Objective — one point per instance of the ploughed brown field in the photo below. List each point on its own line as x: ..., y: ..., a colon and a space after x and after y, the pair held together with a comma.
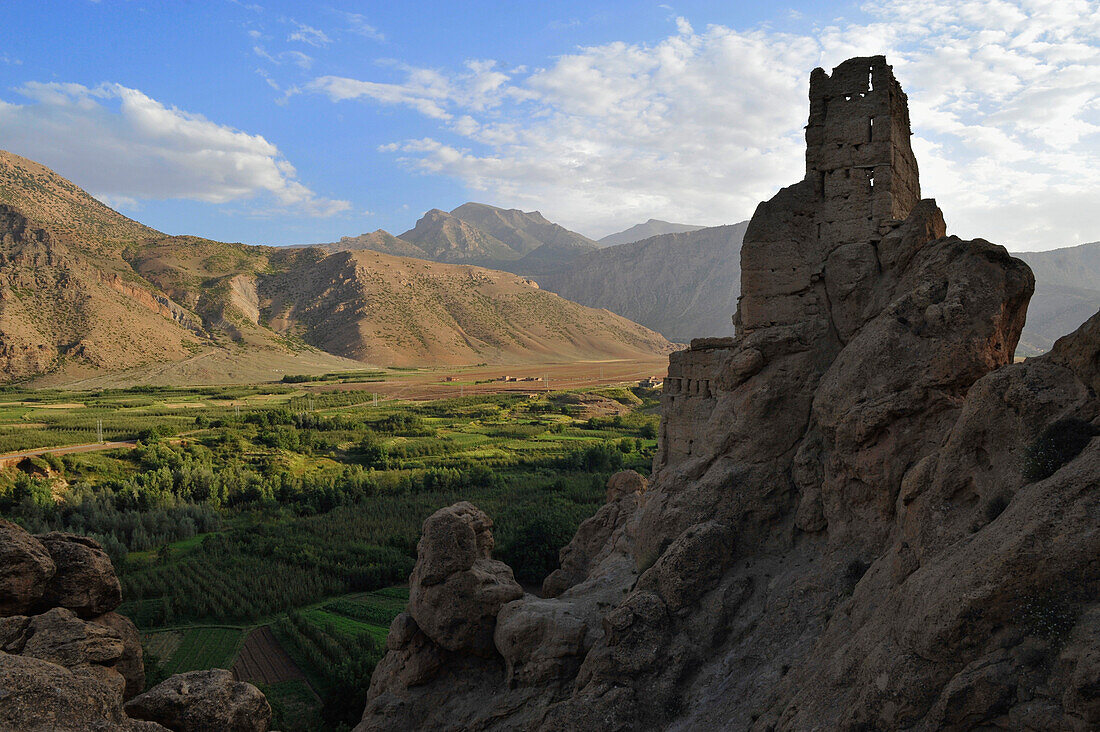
x: 263, y: 660
x: 434, y: 384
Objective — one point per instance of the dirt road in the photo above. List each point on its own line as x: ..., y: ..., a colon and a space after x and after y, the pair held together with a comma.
x: 14, y: 457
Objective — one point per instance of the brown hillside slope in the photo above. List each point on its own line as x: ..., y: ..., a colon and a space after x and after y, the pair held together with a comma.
x: 861, y: 516
x: 56, y: 307
x: 523, y: 231
x: 398, y: 311
x: 63, y: 207
x: 121, y: 303
x: 447, y: 238
x: 377, y: 241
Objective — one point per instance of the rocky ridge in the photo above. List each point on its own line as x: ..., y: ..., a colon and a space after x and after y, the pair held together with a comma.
x: 88, y: 296
x: 862, y: 515
x: 69, y: 662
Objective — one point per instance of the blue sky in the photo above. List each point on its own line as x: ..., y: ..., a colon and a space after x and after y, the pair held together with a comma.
x: 283, y: 122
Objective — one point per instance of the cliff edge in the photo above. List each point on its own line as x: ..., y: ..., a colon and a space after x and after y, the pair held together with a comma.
x: 861, y: 514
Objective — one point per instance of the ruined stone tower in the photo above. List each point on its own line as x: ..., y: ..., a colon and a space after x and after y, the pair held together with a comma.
x: 857, y: 149
x: 812, y: 550
x: 808, y: 248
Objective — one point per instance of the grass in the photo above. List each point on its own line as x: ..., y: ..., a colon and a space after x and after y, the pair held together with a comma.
x: 175, y: 549
x: 294, y: 705
x: 344, y: 625
x: 197, y: 648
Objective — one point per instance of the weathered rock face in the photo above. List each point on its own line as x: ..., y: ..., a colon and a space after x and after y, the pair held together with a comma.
x: 862, y: 515
x: 25, y: 567
x: 85, y: 581
x: 203, y: 700
x: 39, y: 696
x: 456, y: 588
x: 71, y: 666
x: 130, y: 662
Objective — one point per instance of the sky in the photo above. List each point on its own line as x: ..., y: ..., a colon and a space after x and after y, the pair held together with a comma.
x: 301, y: 122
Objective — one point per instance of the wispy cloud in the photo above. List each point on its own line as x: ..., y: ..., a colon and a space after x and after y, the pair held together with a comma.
x: 707, y: 122
x: 299, y: 59
x: 126, y: 147
x: 309, y: 35
x: 358, y: 24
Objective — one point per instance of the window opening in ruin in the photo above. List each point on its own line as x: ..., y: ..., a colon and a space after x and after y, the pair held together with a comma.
x: 870, y: 129
x: 871, y: 178
x: 870, y: 79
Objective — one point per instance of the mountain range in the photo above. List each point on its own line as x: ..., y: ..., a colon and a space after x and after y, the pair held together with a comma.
x: 86, y: 291
x: 523, y: 242
x: 677, y: 279
x: 686, y: 285
x: 1067, y: 293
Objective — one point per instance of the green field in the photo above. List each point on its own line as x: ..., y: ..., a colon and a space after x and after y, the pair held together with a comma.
x: 242, y: 507
x: 195, y: 648
x: 294, y: 705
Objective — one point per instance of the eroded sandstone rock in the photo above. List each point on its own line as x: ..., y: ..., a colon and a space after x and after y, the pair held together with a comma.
x: 199, y: 701
x: 85, y: 581
x: 25, y: 568
x: 456, y: 588
x: 39, y: 696
x: 130, y: 663
x: 591, y: 544
x: 60, y: 670
x: 840, y: 531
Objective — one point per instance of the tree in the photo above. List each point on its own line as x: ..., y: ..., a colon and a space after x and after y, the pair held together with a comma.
x: 533, y: 554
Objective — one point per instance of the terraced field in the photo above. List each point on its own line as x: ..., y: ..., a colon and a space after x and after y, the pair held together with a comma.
x: 263, y: 660
x: 191, y: 649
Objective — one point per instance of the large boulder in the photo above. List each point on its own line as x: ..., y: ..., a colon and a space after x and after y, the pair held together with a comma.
x: 25, y: 568
x: 84, y: 648
x: 85, y: 581
x: 203, y: 701
x: 456, y: 588
x: 40, y: 696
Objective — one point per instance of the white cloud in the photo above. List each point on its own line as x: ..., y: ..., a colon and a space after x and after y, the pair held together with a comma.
x: 125, y: 146
x: 482, y: 86
x: 309, y: 35
x: 358, y: 24
x: 707, y: 122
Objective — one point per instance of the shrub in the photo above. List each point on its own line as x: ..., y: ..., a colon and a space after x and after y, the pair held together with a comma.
x: 1059, y: 443
x: 533, y: 553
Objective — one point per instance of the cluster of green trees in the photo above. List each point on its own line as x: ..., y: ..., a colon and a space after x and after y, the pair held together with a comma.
x: 257, y: 571
x: 340, y: 662
x: 285, y: 507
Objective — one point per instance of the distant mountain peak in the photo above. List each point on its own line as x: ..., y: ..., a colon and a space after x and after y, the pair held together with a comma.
x: 652, y: 227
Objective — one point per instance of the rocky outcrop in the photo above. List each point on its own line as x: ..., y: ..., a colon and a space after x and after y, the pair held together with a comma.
x: 203, y: 700
x: 592, y: 543
x: 39, y: 696
x: 862, y: 515
x: 130, y: 663
x: 68, y: 661
x: 25, y: 568
x: 85, y: 581
x: 457, y: 589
